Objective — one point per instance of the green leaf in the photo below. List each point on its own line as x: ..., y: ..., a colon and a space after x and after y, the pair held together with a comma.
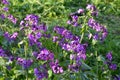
x: 94, y: 42
x: 100, y: 58
x: 85, y: 66
x: 2, y: 62
x: 50, y: 73
x: 19, y: 72
x: 90, y: 73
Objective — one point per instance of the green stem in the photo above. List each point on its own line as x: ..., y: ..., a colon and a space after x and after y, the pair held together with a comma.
x: 83, y: 29
x: 25, y: 48
x: 82, y: 37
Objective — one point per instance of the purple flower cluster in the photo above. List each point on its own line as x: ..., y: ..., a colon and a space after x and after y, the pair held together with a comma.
x: 6, y: 54
x: 65, y: 33
x: 109, y: 56
x: 109, y: 61
x: 31, y: 23
x: 73, y: 45
x: 6, y: 9
x: 80, y: 11
x: 45, y: 55
x: 70, y: 42
x: 56, y: 67
x: 41, y: 72
x: 74, y: 17
x: 42, y: 27
x: 48, y: 56
x: 2, y: 53
x: 10, y: 37
x: 30, y: 20
x: 67, y: 40
x: 99, y: 28
x: 33, y: 39
x: 5, y: 2
x: 93, y: 9
x: 73, y: 21
x: 116, y: 77
x: 12, y: 18
x: 2, y: 16
x: 25, y: 63
x: 74, y: 67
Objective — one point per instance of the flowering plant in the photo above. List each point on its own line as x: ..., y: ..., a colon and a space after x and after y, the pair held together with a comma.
x: 33, y: 52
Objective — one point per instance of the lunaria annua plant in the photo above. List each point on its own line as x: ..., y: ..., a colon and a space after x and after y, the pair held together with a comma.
x: 31, y: 56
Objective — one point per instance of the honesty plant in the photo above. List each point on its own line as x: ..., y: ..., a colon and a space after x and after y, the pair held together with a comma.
x: 31, y: 56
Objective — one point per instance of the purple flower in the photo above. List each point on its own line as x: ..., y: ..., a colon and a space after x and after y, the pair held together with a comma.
x: 72, y: 56
x: 35, y: 54
x: 38, y: 35
x: 32, y: 19
x: 7, y: 35
x: 113, y: 66
x: 77, y: 47
x: 96, y: 36
x: 8, y: 67
x: 67, y: 34
x: 73, y: 67
x: 11, y: 57
x: 81, y: 55
x: 91, y: 22
x: 95, y: 25
x: 99, y: 28
x: 55, y: 38
x: 45, y: 55
x: 33, y: 27
x: 56, y: 68
x: 75, y: 24
x: 6, y: 9
x: 109, y: 56
x: 12, y: 19
x: 2, y: 16
x: 42, y: 27
x: 32, y: 39
x: 22, y: 23
x: 41, y: 72
x: 10, y: 37
x: 58, y: 29
x: 66, y: 47
x: 14, y: 35
x: 80, y: 11
x: 39, y: 44
x: 91, y: 7
x: 116, y: 77
x: 25, y: 63
x: 46, y: 35
x: 5, y: 2
x: 69, y: 22
x: 74, y: 18
x: 94, y: 13
x: 104, y: 34
x: 2, y: 53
